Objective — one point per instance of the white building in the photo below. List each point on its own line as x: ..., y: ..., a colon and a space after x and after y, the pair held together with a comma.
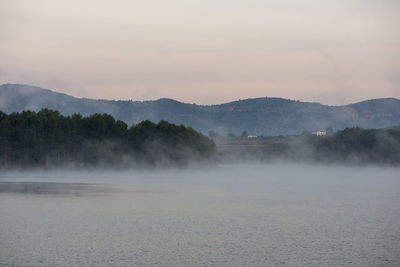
x: 319, y: 133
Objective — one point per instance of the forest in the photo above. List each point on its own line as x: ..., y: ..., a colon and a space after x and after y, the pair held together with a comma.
x: 352, y: 146
x: 49, y: 139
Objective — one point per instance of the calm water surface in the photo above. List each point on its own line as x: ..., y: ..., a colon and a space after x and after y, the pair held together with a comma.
x: 271, y: 215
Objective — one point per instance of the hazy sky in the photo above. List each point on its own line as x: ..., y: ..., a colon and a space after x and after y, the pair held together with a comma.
x: 204, y: 51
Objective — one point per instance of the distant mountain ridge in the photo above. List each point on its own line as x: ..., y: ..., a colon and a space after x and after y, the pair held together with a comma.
x: 258, y: 116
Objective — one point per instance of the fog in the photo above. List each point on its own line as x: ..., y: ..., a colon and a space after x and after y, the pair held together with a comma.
x: 226, y: 215
x: 351, y: 146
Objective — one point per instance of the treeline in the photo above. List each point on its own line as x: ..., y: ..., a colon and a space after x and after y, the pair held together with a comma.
x: 349, y: 146
x: 47, y: 139
x: 356, y: 145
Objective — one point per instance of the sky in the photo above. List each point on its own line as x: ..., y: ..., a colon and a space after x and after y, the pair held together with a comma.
x: 204, y: 51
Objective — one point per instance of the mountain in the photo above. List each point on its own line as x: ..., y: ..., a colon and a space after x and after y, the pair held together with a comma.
x: 258, y: 116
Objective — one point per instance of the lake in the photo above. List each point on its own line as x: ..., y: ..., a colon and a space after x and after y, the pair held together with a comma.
x: 230, y: 215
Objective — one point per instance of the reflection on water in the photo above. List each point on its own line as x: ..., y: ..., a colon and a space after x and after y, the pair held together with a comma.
x: 232, y: 216
x: 53, y: 188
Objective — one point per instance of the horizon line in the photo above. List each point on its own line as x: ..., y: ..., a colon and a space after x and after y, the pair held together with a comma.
x: 183, y: 102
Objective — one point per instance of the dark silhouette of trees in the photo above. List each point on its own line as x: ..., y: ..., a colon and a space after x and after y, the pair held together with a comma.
x: 349, y: 146
x: 381, y: 146
x: 47, y: 138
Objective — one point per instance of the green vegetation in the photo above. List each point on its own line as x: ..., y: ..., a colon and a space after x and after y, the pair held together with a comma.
x: 357, y: 145
x: 349, y: 146
x: 47, y: 138
x: 258, y: 116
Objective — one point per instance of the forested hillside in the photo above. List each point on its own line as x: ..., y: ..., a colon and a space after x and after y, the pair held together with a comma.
x: 259, y: 116
x: 349, y: 146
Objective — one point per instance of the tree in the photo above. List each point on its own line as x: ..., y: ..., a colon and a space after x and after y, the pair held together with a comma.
x: 329, y: 131
x: 231, y: 135
x: 47, y: 137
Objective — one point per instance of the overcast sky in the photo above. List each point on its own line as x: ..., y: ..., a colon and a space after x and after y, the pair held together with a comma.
x: 204, y: 51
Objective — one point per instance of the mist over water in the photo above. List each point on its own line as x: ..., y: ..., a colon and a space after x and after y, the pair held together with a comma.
x: 230, y: 215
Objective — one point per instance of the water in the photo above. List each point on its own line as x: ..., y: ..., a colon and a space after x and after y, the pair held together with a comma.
x: 271, y: 215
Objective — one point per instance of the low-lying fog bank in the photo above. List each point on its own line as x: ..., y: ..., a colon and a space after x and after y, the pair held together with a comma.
x: 228, y: 171
x: 351, y: 146
x: 48, y: 140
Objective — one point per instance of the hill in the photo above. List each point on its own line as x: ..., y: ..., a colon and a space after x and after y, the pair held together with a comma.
x: 258, y: 116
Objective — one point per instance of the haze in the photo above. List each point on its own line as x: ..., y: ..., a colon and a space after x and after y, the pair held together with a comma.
x: 333, y: 52
x: 247, y: 215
